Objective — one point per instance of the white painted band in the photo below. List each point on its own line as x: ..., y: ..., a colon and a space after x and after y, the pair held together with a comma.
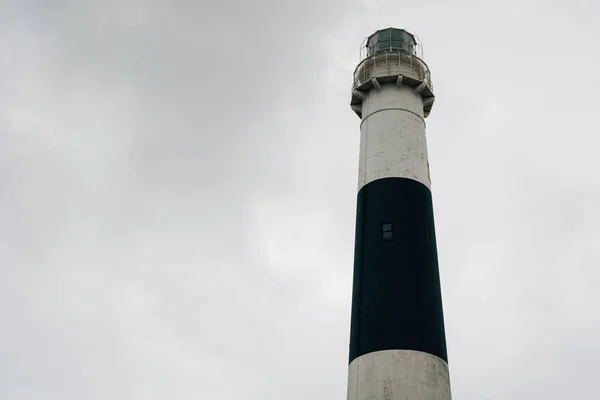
x: 398, y: 375
x: 392, y: 109
x: 393, y: 143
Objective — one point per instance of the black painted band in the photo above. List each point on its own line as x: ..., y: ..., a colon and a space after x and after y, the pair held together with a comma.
x: 396, y: 299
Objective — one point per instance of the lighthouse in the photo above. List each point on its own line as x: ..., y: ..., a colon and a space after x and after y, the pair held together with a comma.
x: 397, y: 336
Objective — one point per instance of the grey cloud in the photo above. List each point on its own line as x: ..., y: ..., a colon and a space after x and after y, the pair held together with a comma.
x: 178, y: 184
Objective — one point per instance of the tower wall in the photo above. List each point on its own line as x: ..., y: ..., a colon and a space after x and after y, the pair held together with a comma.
x: 397, y: 337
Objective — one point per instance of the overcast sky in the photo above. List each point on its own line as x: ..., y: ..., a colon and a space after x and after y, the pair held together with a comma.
x: 178, y: 189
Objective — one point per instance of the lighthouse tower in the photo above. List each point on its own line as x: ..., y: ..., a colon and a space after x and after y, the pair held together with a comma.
x: 397, y: 339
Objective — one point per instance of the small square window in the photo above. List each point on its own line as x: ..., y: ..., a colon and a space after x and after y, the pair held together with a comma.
x: 386, y: 231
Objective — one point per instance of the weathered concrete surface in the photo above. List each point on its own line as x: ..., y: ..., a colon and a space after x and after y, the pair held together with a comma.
x: 392, y: 136
x: 398, y: 375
